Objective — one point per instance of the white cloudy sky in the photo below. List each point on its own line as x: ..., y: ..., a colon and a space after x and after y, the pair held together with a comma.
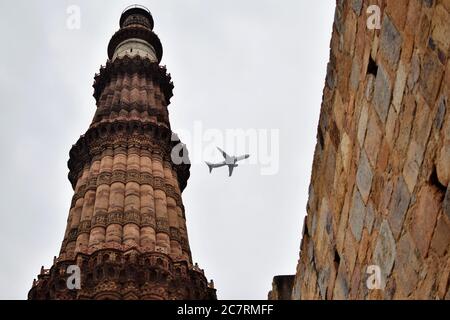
x: 236, y: 64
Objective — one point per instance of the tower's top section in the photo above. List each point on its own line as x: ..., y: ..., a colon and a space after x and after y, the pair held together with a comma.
x: 135, y: 36
x: 136, y: 14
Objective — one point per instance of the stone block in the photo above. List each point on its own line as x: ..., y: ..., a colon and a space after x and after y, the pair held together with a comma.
x: 373, y: 139
x: 350, y: 251
x: 440, y: 27
x: 443, y: 164
x: 385, y: 252
x: 390, y: 42
x: 397, y: 11
x: 384, y: 157
x: 364, y: 176
x: 440, y: 115
x: 424, y: 214
x: 370, y: 217
x: 391, y: 125
x: 357, y: 6
x: 322, y: 281
x: 339, y: 17
x: 341, y: 285
x: 399, y: 87
x: 441, y: 237
x: 382, y: 93
x: 346, y: 151
x: 339, y: 110
x: 430, y: 77
x: 413, y: 162
x: 398, y: 206
x: 355, y: 75
x: 357, y: 215
x: 362, y: 123
x: 407, y: 266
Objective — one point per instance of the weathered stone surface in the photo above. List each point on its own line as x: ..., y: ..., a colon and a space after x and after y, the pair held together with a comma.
x: 407, y: 265
x: 350, y: 251
x: 414, y: 72
x: 440, y: 115
x: 443, y: 164
x: 341, y: 286
x: 362, y: 124
x: 382, y: 93
x: 322, y: 281
x: 398, y: 206
x: 386, y: 181
x: 441, y: 237
x: 440, y: 28
x: 331, y: 76
x: 364, y: 176
x: 346, y: 151
x: 373, y: 139
x: 354, y: 75
x: 357, y: 6
x: 390, y: 41
x: 370, y: 87
x: 412, y: 165
x: 391, y: 125
x: 339, y: 111
x: 370, y: 217
x: 339, y: 17
x: 399, y: 87
x: 424, y: 214
x: 357, y: 215
x: 385, y: 252
x: 430, y: 77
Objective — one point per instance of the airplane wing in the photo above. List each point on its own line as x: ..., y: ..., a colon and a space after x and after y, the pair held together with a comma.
x: 230, y: 170
x: 224, y: 154
x: 245, y: 156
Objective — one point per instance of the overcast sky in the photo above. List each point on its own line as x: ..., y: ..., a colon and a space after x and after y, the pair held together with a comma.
x: 236, y: 64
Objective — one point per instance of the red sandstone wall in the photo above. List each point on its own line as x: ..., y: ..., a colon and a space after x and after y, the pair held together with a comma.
x: 379, y: 192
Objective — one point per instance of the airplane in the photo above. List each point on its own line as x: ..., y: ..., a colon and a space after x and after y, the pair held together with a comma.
x: 229, y: 161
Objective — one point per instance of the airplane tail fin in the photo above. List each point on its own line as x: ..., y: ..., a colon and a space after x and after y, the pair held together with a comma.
x: 210, y: 166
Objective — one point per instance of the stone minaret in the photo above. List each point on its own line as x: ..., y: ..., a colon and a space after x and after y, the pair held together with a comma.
x: 126, y: 229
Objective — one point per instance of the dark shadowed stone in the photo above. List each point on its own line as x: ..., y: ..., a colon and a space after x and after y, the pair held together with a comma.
x: 390, y: 41
x: 446, y: 202
x: 382, y: 94
x: 398, y: 206
x: 364, y: 176
x: 357, y: 6
x: 385, y: 252
x: 357, y: 215
x: 331, y: 76
x: 439, y: 119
